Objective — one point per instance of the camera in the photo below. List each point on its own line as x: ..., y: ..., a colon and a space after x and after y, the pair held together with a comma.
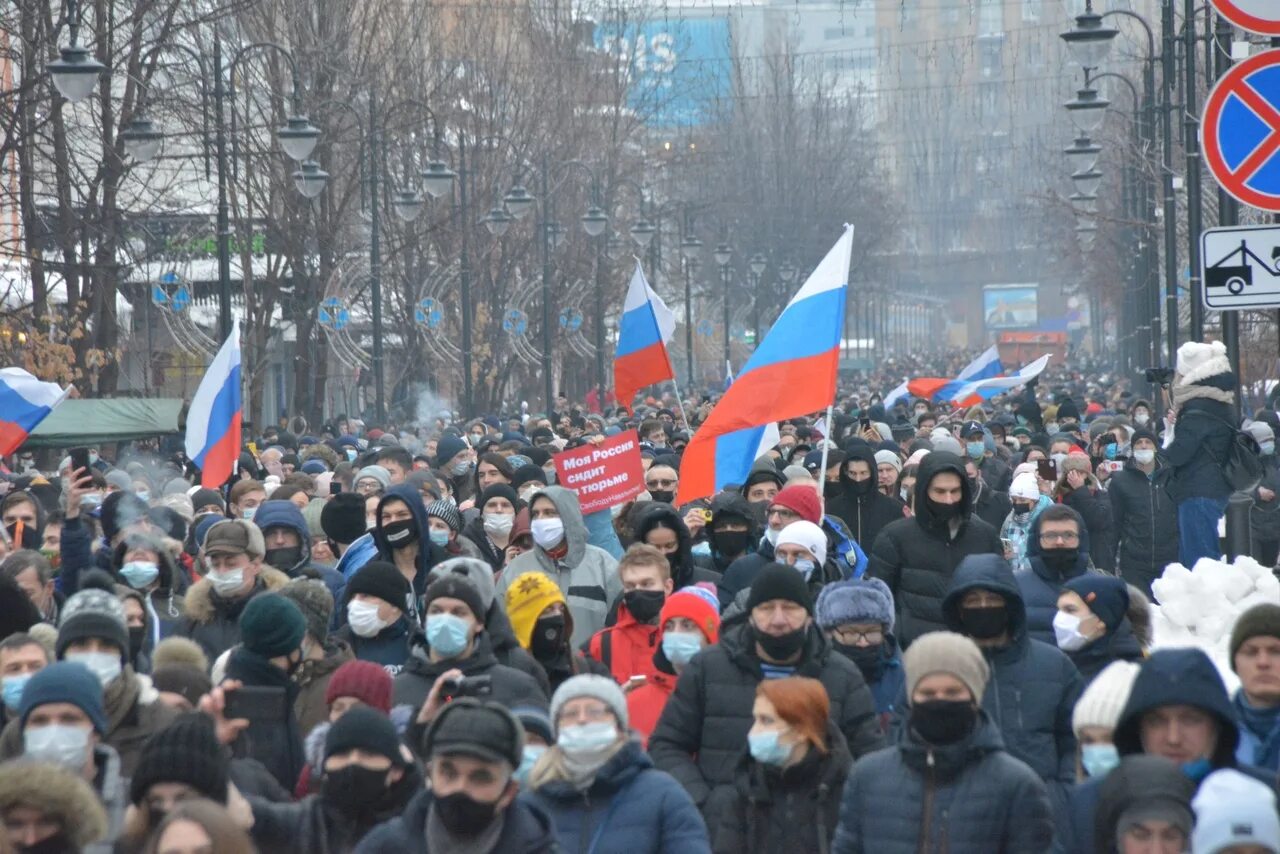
x: 467, y: 686
x: 1158, y: 376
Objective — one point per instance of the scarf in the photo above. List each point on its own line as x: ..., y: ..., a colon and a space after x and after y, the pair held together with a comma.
x: 1183, y: 393
x: 581, y: 767
x: 1262, y: 725
x: 440, y: 839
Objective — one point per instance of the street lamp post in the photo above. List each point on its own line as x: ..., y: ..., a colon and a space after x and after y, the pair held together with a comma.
x: 758, y: 263
x: 690, y: 247
x: 723, y: 256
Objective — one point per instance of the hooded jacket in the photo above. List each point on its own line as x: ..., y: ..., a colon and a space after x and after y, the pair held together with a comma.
x: 966, y: 798
x: 703, y: 727
x: 728, y: 504
x: 627, y: 647
x: 917, y: 556
x: 1145, y: 520
x: 285, y: 514
x: 1033, y: 686
x: 684, y: 571
x: 88, y: 823
x: 508, y: 686
x: 429, y: 554
x: 164, y: 605
x: 214, y: 622
x: 526, y: 829
x: 586, y: 574
x: 864, y: 508
x: 990, y: 505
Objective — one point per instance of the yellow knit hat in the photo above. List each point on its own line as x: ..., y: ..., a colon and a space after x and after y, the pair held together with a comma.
x: 527, y: 597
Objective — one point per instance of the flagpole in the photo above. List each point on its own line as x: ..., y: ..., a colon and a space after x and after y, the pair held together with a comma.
x: 822, y: 477
x: 688, y: 425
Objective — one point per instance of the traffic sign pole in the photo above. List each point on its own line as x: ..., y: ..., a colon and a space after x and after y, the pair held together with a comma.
x: 1228, y: 209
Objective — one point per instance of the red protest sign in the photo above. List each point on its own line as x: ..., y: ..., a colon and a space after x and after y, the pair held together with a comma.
x: 603, y: 475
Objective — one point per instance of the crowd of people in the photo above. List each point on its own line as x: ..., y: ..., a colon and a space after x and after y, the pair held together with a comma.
x: 910, y: 628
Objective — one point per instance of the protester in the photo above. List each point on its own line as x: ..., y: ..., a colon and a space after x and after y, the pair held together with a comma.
x: 287, y: 544
x: 660, y: 526
x: 378, y: 624
x: 1094, y: 718
x: 1255, y: 658
x: 730, y: 533
x: 21, y: 657
x: 791, y: 504
x: 1145, y: 517
x: 688, y: 624
x: 1027, y: 503
x: 1234, y: 814
x: 46, y: 808
x: 321, y: 655
x: 627, y: 647
x: 490, y: 531
x: 400, y: 533
x: 1079, y: 489
x: 860, y: 505
x: 542, y: 623
x: 1091, y: 611
x: 1057, y: 551
x: 858, y: 618
x: 1144, y: 806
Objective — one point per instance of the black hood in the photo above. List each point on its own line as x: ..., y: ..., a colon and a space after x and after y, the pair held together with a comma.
x: 857, y: 449
x: 1135, y: 781
x: 1034, y: 550
x: 934, y: 464
x: 985, y: 572
x: 734, y: 504
x: 659, y: 514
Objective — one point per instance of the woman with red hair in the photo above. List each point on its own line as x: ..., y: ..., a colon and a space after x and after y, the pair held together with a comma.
x: 786, y: 789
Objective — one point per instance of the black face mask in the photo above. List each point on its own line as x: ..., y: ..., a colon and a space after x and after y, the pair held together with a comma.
x: 1059, y: 561
x: 943, y: 512
x: 59, y: 843
x: 984, y: 623
x: 462, y: 815
x: 781, y: 648
x: 666, y: 496
x: 401, y: 534
x: 729, y: 543
x: 943, y: 721
x: 354, y: 790
x: 861, y: 488
x: 547, y: 640
x: 831, y: 488
x: 644, y: 605
x: 137, y: 637
x: 1023, y: 509
x: 285, y: 558
x: 869, y: 659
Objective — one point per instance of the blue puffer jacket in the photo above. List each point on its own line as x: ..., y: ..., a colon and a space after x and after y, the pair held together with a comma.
x: 966, y: 798
x: 1033, y: 686
x: 630, y: 807
x: 357, y: 555
x: 285, y: 514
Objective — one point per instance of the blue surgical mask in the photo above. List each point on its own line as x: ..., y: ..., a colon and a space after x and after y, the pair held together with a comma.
x: 1267, y: 447
x: 766, y: 748
x: 440, y: 538
x: 447, y: 634
x: 532, y: 753
x: 352, y: 453
x: 804, y: 566
x: 1098, y: 759
x: 587, y: 738
x: 139, y: 574
x: 11, y: 687
x: 679, y: 647
x: 976, y: 449
x: 144, y: 495
x: 1111, y: 451
x: 1197, y: 770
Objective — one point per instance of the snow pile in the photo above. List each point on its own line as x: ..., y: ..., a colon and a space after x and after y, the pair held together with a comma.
x: 1198, y: 607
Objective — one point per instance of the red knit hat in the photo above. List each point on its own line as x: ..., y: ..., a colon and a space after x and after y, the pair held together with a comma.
x: 367, y: 682
x: 802, y: 499
x: 697, y: 604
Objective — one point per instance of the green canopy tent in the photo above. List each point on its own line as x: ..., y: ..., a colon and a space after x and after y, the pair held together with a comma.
x: 78, y: 422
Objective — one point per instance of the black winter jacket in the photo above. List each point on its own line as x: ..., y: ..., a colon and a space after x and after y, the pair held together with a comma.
x: 1201, y: 439
x: 1146, y: 524
x: 780, y: 810
x: 1041, y: 585
x: 510, y: 687
x: 864, y: 508
x: 526, y: 829
x: 991, y: 506
x: 703, y: 727
x: 275, y: 742
x: 917, y: 556
x: 684, y: 571
x: 1094, y: 507
x: 967, y: 798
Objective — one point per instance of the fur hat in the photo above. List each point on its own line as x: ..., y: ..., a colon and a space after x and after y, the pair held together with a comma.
x: 59, y: 795
x: 865, y: 600
x: 1198, y: 361
x: 175, y: 651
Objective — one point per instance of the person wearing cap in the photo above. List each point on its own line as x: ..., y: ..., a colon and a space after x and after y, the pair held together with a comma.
x: 1255, y: 658
x: 490, y: 531
x: 322, y: 654
x: 377, y: 624
x: 454, y: 639
x: 858, y: 617
x: 472, y: 800
x: 1264, y: 516
x: 444, y: 524
x: 542, y: 624
x: 1144, y: 806
x: 234, y: 574
x: 731, y: 533
x: 1234, y: 814
x: 586, y: 574
x: 802, y: 545
x: 45, y: 808
x: 287, y: 545
x: 594, y: 765
x: 1178, y: 708
x: 660, y: 525
x: 62, y: 722
x: 792, y: 504
x: 689, y: 623
x: 1079, y: 489
x: 372, y: 480
x: 1091, y: 609
x: 980, y: 447
x: 1026, y: 503
x: 917, y: 556
x: 989, y: 505
x: 1094, y: 719
x: 888, y: 467
x: 762, y: 484
x: 777, y: 639
x: 947, y: 782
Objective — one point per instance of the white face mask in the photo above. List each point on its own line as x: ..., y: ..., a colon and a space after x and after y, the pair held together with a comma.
x: 1051, y: 427
x: 105, y: 665
x: 228, y: 582
x: 771, y: 536
x: 58, y: 744
x: 1146, y: 456
x: 363, y: 618
x: 498, y: 523
x: 1141, y: 418
x: 547, y: 533
x: 1058, y: 458
x: 1066, y: 630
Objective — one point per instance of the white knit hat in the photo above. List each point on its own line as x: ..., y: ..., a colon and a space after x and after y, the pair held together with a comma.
x: 1102, y: 702
x: 1260, y: 431
x: 1197, y: 361
x: 1233, y: 809
x: 806, y: 535
x: 1025, y: 486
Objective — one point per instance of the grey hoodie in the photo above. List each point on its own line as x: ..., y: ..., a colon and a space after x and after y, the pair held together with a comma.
x: 587, y: 575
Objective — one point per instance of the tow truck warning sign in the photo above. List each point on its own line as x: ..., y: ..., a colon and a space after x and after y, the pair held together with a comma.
x: 603, y: 475
x: 1240, y: 267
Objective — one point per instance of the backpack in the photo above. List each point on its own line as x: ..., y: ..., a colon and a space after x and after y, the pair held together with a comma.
x: 1242, y: 467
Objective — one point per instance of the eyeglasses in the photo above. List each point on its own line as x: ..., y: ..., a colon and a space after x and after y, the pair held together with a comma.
x: 851, y: 636
x: 782, y: 513
x: 1065, y: 537
x: 660, y: 483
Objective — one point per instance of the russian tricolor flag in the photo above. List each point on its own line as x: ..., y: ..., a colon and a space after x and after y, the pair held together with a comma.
x: 984, y: 367
x: 792, y: 373
x: 24, y: 402
x: 645, y: 328
x: 213, y: 420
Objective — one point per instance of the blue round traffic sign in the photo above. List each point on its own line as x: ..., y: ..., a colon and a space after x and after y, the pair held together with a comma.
x: 1240, y: 131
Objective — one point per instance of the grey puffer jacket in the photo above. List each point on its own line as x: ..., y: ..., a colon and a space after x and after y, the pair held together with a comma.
x: 966, y: 798
x: 703, y: 728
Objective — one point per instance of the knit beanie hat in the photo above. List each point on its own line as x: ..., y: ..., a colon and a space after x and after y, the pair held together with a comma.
x: 1025, y: 486
x: 447, y: 513
x: 864, y: 600
x: 271, y: 625
x: 1234, y: 809
x: 527, y: 474
x: 801, y: 499
x: 795, y: 470
x: 1198, y: 361
x: 447, y: 448
x: 186, y: 751
x: 455, y: 587
x: 187, y: 682
x: 93, y: 613
x: 378, y: 473
x: 120, y: 509
x: 497, y: 490
x: 600, y: 688
x: 946, y: 652
x: 368, y: 682
x: 478, y: 728
x: 1105, y: 595
x: 779, y: 581
x: 697, y: 604
x: 363, y: 728
x: 1104, y: 699
x: 314, y: 466
x: 65, y: 682
x: 1143, y: 433
x: 177, y: 651
x: 315, y: 602
x: 203, y: 497
x: 527, y: 597
x: 1260, y: 620
x: 342, y: 518
x: 890, y: 458
x: 381, y: 580
x: 806, y: 535
x: 475, y: 572
x: 535, y: 722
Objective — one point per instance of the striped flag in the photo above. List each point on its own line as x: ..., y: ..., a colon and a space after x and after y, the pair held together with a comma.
x: 24, y: 402
x: 213, y: 420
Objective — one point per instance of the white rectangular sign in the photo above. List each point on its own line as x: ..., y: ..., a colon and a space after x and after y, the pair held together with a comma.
x: 1240, y: 267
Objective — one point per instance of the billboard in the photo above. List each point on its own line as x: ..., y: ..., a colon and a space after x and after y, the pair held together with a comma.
x: 676, y: 67
x: 1010, y: 307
